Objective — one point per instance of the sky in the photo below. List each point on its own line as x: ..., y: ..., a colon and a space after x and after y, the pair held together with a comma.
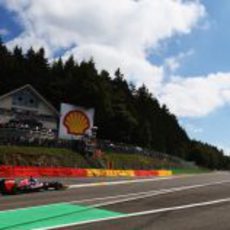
x: 178, y: 48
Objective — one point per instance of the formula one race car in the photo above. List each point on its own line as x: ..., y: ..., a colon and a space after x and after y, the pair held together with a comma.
x: 10, y: 186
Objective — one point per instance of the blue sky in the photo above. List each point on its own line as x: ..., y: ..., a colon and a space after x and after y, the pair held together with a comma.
x: 8, y: 23
x: 179, y: 49
x: 209, y: 42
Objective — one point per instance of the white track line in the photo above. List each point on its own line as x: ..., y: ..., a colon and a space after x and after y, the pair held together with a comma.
x: 125, y: 181
x: 136, y: 180
x: 136, y: 214
x: 138, y: 196
x: 143, y: 195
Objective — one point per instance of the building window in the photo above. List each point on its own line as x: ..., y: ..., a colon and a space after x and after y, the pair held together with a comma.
x: 25, y: 98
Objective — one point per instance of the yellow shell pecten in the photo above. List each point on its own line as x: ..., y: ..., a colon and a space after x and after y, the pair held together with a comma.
x: 76, y: 122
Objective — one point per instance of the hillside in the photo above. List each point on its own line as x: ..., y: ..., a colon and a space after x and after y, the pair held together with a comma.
x: 124, y: 113
x: 60, y: 157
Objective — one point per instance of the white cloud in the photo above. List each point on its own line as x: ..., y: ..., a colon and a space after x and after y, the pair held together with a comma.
x: 133, y: 26
x: 197, y: 96
x: 117, y: 33
x: 137, y: 69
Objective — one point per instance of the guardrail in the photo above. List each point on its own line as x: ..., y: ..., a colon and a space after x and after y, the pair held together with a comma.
x: 24, y: 171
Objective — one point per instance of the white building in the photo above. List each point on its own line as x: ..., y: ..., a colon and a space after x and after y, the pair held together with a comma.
x: 27, y: 105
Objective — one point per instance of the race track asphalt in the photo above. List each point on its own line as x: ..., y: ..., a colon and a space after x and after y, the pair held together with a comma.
x: 176, y: 203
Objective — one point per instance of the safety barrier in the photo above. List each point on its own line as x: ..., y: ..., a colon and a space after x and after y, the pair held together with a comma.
x: 21, y: 171
x: 146, y: 173
x: 165, y: 173
x: 25, y: 171
x: 109, y: 173
x: 153, y: 172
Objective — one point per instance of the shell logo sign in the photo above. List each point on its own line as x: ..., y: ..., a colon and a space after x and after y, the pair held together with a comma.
x: 75, y: 121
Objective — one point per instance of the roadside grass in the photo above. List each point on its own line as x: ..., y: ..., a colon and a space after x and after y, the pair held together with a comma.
x: 179, y: 171
x: 18, y: 155
x: 136, y: 161
x: 61, y: 157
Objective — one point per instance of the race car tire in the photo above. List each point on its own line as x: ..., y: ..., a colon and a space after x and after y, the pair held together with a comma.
x: 58, y: 186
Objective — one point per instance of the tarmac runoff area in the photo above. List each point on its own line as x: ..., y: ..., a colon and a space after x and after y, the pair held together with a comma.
x: 185, y: 202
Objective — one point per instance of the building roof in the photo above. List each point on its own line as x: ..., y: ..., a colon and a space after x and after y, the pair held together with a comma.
x: 28, y: 86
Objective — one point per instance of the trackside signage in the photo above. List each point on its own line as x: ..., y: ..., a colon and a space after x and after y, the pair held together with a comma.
x: 75, y: 121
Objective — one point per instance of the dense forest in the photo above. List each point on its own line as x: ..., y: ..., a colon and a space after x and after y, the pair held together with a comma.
x: 124, y: 113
